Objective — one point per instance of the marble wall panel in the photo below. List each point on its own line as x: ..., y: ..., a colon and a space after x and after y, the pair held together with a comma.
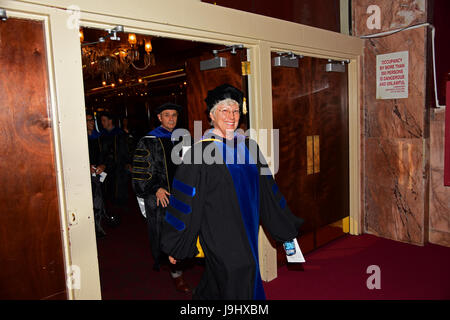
x: 394, y: 14
x: 439, y: 224
x: 394, y: 189
x: 396, y: 118
x: 394, y: 132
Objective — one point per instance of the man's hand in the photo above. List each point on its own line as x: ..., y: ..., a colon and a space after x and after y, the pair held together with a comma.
x: 161, y: 197
x: 172, y: 260
x: 100, y: 169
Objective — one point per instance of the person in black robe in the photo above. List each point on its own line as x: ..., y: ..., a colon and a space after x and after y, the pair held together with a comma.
x: 97, y: 166
x: 221, y: 193
x: 153, y: 172
x: 114, y: 143
x: 131, y: 134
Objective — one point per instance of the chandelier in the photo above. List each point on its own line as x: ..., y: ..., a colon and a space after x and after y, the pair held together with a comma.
x: 113, y: 60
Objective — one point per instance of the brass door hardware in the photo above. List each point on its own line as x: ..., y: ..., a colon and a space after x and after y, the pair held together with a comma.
x: 312, y: 154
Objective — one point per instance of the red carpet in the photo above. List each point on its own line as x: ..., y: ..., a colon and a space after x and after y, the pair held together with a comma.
x: 125, y: 264
x: 338, y: 271
x: 335, y: 271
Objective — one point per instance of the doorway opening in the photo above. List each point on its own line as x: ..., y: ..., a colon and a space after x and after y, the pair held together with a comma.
x: 127, y: 76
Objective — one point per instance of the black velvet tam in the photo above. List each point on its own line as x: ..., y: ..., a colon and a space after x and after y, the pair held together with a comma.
x: 168, y: 106
x: 223, y: 92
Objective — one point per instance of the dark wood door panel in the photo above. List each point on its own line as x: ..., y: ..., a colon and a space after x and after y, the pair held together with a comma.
x: 31, y: 254
x: 331, y: 105
x: 295, y: 118
x: 200, y: 82
x: 308, y: 101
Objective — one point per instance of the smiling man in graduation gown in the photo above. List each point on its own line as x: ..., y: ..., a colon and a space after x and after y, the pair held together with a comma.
x: 153, y: 171
x: 222, y: 203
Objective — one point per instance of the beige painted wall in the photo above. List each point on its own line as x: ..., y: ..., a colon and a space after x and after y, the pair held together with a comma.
x: 186, y: 19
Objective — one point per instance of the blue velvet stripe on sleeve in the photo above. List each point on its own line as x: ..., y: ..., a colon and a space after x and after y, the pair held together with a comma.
x: 174, y: 222
x: 186, y: 189
x: 283, y: 203
x: 179, y: 205
x: 274, y: 189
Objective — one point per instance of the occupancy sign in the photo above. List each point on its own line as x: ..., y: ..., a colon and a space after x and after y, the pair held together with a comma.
x: 392, y: 75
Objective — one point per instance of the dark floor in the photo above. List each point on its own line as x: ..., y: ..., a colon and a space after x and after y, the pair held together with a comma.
x: 125, y: 263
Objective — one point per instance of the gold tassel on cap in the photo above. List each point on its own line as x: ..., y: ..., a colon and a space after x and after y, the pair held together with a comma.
x: 244, y: 106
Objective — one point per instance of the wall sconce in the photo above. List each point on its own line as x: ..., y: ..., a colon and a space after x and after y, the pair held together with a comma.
x: 132, y: 39
x: 148, y: 46
x: 81, y: 33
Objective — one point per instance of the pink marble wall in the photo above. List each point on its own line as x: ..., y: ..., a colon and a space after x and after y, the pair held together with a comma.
x: 439, y: 194
x: 395, y: 14
x: 395, y: 131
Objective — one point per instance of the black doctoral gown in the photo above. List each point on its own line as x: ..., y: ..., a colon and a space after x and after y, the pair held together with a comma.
x: 223, y: 204
x: 114, y: 145
x: 96, y: 158
x: 153, y: 168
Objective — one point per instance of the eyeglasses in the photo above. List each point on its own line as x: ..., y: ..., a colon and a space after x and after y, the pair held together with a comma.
x: 228, y: 112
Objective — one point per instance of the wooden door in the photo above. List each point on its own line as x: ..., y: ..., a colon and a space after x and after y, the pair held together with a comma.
x: 31, y: 253
x: 311, y: 104
x: 200, y: 82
